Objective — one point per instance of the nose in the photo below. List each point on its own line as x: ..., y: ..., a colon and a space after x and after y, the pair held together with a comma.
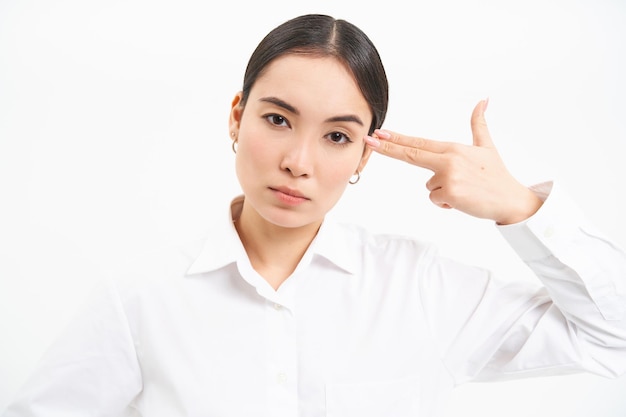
x: 299, y: 156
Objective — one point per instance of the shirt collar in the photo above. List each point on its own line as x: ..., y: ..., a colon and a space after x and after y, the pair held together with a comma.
x: 222, y: 246
x: 333, y: 242
x: 336, y: 243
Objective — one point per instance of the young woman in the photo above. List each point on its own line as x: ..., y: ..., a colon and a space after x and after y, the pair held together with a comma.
x: 281, y: 313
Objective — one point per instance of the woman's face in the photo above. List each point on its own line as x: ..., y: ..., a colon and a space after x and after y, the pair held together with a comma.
x: 300, y: 139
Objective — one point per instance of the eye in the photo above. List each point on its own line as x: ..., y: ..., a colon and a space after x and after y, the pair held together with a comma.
x: 339, y: 138
x: 276, y: 120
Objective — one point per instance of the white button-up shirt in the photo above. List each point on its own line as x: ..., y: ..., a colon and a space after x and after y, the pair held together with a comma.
x: 367, y: 325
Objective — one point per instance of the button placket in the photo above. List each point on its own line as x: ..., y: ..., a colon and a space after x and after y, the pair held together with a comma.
x: 281, y: 359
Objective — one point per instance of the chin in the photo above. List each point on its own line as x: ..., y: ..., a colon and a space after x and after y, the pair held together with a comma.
x: 292, y: 222
x: 290, y: 219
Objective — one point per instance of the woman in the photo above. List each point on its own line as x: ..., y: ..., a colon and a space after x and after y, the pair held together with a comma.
x: 281, y: 313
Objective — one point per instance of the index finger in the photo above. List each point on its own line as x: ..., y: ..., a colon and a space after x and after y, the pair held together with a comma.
x: 412, y: 141
x: 416, y: 151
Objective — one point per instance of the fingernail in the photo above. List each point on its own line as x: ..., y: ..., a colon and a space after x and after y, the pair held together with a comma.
x: 486, y: 101
x: 383, y: 133
x: 372, y: 141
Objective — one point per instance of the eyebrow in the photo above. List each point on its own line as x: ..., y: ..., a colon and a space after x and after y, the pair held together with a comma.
x: 283, y: 104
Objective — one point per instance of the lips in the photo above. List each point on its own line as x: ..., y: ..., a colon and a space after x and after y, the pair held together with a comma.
x: 289, y: 196
x: 289, y: 192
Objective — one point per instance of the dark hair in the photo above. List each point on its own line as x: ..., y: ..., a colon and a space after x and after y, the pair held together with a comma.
x: 323, y: 35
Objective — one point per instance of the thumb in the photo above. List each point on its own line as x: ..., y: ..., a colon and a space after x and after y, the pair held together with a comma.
x: 480, y: 132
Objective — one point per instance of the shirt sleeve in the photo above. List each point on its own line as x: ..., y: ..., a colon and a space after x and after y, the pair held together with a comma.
x: 574, y: 320
x: 91, y: 369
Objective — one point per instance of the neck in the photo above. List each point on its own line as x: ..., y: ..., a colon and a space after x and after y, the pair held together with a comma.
x: 274, y: 251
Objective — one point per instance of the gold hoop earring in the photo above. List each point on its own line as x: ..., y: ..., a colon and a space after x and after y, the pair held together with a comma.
x: 234, y: 146
x: 358, y: 177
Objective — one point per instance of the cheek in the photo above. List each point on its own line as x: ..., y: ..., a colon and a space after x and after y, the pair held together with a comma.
x: 255, y: 151
x: 246, y: 164
x: 341, y: 170
x: 254, y: 144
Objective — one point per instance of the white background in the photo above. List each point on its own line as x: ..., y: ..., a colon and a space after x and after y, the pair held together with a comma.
x: 114, y: 141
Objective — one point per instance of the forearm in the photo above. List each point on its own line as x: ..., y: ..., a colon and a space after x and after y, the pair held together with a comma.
x: 583, y: 272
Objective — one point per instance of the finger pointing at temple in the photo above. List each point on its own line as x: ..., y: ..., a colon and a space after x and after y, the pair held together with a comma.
x: 422, y: 152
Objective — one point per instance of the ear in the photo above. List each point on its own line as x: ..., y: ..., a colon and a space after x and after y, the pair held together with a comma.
x: 367, y: 152
x: 236, y: 111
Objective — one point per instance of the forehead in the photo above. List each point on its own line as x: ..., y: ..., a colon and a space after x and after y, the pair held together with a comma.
x: 311, y: 81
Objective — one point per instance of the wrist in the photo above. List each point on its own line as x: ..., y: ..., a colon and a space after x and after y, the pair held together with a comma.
x: 523, y: 205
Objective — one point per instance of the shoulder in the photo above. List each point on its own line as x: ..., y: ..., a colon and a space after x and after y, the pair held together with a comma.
x: 156, y: 267
x: 383, y: 247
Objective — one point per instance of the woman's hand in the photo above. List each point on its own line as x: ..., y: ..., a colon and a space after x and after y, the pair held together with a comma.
x: 469, y: 178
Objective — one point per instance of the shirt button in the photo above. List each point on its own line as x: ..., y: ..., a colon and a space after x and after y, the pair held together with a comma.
x: 281, y: 378
x: 549, y: 232
x: 277, y: 307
